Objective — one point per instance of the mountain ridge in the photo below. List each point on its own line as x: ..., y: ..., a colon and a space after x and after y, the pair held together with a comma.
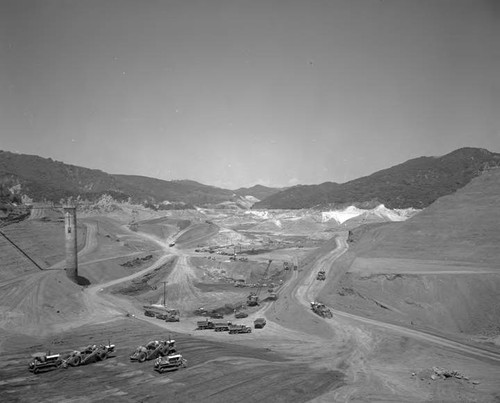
x: 415, y: 183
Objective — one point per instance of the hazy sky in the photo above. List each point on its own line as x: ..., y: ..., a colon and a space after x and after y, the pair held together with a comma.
x: 232, y: 93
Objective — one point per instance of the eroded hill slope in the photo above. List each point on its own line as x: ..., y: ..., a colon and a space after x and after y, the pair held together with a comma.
x: 437, y: 271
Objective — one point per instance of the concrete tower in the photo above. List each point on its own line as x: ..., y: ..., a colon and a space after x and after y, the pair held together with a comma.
x: 71, y: 245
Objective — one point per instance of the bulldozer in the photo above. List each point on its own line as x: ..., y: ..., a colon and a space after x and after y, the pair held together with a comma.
x: 170, y: 363
x: 42, y: 361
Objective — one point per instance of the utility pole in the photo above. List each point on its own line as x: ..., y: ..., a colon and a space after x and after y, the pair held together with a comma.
x: 164, y: 293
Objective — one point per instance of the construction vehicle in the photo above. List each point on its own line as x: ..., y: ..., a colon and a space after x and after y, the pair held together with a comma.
x: 170, y: 315
x: 173, y: 317
x: 161, y: 312
x: 43, y: 361
x: 253, y: 298
x: 205, y: 324
x: 170, y: 363
x: 321, y: 310
x: 153, y: 350
x: 321, y: 275
x: 221, y: 326
x: 88, y: 355
x: 272, y: 296
x: 259, y: 323
x: 235, y: 329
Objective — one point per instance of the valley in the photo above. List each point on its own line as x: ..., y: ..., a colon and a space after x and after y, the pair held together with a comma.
x: 396, y: 315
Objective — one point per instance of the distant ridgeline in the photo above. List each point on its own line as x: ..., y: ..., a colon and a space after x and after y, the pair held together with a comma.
x: 415, y: 183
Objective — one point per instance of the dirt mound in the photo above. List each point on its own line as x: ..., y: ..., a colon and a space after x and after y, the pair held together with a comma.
x: 438, y: 270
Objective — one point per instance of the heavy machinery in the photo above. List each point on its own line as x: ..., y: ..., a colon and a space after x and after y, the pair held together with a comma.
x: 321, y: 275
x: 235, y: 329
x: 43, y: 361
x: 222, y: 326
x: 205, y: 324
x: 88, y: 355
x: 153, y: 350
x: 259, y: 323
x: 162, y: 313
x: 170, y: 315
x: 253, y: 298
x: 170, y: 363
x: 321, y: 310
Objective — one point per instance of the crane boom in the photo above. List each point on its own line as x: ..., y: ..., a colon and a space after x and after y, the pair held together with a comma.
x: 253, y: 298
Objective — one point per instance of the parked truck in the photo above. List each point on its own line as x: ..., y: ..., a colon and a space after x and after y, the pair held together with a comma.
x: 205, y: 324
x: 235, y: 329
x: 222, y: 326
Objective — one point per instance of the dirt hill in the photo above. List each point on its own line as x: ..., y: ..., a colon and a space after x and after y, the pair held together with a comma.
x: 437, y: 271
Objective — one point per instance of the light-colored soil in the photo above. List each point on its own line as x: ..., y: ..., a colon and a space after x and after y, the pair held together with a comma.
x: 297, y: 357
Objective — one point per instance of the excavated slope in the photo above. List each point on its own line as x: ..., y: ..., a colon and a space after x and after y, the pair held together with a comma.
x: 438, y: 270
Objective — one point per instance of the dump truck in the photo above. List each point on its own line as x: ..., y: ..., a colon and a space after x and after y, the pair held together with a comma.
x: 259, y: 323
x: 235, y: 329
x: 321, y: 310
x: 42, y: 361
x: 170, y: 363
x: 272, y: 296
x: 153, y: 350
x: 205, y: 324
x: 162, y: 312
x: 221, y: 326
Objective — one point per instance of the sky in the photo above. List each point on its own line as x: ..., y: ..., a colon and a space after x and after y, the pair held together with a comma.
x: 233, y: 93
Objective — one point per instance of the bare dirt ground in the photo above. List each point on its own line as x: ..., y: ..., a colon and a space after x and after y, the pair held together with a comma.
x: 297, y: 357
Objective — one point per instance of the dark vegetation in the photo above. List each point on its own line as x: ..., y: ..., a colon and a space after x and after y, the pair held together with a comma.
x: 138, y: 261
x: 415, y: 183
x: 43, y: 179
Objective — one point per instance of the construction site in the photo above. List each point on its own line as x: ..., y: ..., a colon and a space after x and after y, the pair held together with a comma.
x: 220, y: 305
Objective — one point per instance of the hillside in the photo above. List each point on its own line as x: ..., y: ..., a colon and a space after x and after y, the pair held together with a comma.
x: 462, y: 226
x: 45, y: 179
x: 258, y: 191
x: 437, y: 271
x: 415, y: 183
x: 185, y: 191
